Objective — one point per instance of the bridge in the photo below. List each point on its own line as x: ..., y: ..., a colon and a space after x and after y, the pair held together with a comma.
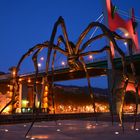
x: 97, y: 68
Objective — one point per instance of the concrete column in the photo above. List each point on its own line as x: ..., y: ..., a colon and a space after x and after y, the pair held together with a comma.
x: 30, y: 96
x: 112, y: 99
x: 20, y: 98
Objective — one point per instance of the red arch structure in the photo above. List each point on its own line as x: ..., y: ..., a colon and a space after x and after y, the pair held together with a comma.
x: 114, y: 22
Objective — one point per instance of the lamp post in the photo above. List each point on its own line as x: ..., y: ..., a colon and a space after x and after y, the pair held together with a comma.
x: 90, y: 57
x: 63, y: 63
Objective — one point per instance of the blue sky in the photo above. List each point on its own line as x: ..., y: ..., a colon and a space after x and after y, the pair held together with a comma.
x: 25, y: 23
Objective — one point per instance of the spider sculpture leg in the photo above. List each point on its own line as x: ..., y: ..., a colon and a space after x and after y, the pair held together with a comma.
x: 35, y: 88
x: 106, y: 48
x: 84, y: 46
x: 137, y: 102
x: 61, y: 22
x: 92, y: 96
x: 108, y: 34
x: 51, y: 85
x: 87, y: 43
x: 130, y: 45
x: 124, y: 75
x: 122, y: 91
x: 52, y: 93
x: 34, y: 58
x: 56, y: 48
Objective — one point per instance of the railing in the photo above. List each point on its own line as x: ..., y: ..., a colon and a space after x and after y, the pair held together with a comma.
x: 94, y: 60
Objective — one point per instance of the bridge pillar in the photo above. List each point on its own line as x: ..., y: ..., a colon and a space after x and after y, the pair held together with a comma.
x: 115, y: 83
x: 112, y: 101
x: 20, y: 98
x: 16, y: 92
x: 30, y: 96
x: 47, y: 96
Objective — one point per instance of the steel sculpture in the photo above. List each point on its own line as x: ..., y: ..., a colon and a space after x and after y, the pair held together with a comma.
x: 75, y: 53
x: 131, y: 45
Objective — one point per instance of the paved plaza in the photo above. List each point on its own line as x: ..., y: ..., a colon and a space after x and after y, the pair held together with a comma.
x: 70, y: 130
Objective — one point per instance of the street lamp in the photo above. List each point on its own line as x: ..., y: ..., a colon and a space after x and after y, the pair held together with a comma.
x: 126, y: 34
x: 39, y: 65
x: 63, y: 63
x: 90, y: 57
x: 29, y: 80
x: 125, y: 43
x: 42, y: 58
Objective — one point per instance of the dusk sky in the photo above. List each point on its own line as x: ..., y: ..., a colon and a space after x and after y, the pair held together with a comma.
x: 25, y: 23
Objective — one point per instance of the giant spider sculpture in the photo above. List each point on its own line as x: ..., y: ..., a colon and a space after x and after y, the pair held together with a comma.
x: 75, y: 53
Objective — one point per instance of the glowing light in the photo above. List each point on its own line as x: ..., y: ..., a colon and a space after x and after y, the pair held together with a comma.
x: 88, y: 108
x: 7, y: 109
x: 42, y: 58
x: 125, y: 43
x: 130, y: 107
x: 46, y: 88
x: 18, y: 110
x: 24, y: 103
x: 24, y: 125
x: 32, y: 138
x: 120, y: 125
x: 23, y: 109
x: 45, y: 99
x: 126, y: 34
x: 90, y: 57
x: 39, y: 65
x: 20, y: 79
x: 89, y: 126
x: 59, y: 123
x: 40, y: 137
x: 58, y: 130
x: 116, y: 133
x: 29, y: 80
x: 132, y: 127
x: 6, y: 130
x: 14, y: 73
x: 63, y: 63
x: 96, y: 124
x: 137, y: 129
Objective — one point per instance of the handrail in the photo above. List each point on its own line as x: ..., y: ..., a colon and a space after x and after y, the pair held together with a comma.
x: 94, y: 60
